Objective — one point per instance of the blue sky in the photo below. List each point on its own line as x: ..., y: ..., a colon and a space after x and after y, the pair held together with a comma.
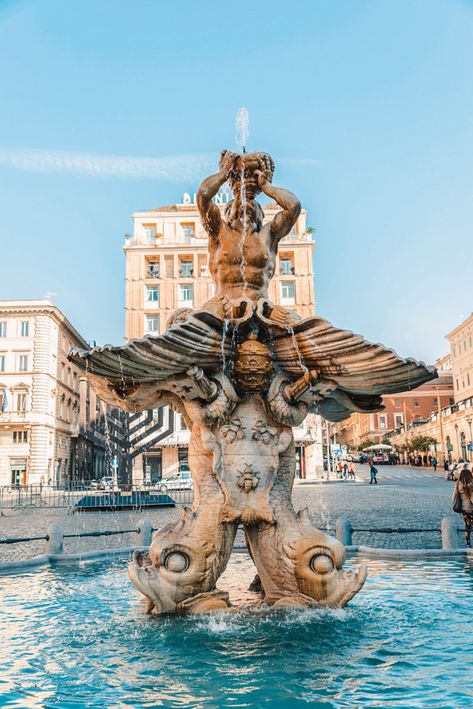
x: 377, y: 94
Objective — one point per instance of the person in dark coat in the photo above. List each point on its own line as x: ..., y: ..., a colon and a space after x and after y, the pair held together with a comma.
x: 373, y: 474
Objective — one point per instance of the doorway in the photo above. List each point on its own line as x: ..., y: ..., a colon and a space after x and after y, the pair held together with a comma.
x: 18, y: 472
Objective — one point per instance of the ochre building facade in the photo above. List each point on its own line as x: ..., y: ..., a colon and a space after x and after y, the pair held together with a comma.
x: 167, y: 268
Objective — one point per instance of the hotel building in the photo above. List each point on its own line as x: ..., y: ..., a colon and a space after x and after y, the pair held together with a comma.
x: 167, y: 268
x: 39, y: 392
x: 52, y: 425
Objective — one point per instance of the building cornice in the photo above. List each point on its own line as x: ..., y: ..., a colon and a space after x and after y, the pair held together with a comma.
x: 460, y: 327
x: 40, y: 307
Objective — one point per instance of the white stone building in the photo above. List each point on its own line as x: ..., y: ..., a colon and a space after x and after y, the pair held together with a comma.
x: 39, y: 392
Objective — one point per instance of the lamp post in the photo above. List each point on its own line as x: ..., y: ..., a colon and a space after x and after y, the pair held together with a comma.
x: 469, y: 420
x: 457, y: 440
x: 442, y: 441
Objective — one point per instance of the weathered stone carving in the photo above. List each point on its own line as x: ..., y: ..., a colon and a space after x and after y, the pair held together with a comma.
x: 243, y: 372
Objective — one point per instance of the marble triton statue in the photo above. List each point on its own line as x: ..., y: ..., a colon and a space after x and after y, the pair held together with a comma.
x: 243, y: 371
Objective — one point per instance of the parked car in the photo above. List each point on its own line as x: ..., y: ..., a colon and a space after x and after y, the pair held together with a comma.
x: 105, y: 483
x: 180, y: 481
x: 93, y: 484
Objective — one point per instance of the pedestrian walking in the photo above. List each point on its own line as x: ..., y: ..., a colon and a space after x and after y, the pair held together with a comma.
x: 352, y: 471
x: 445, y: 465
x: 433, y: 461
x: 340, y: 469
x: 373, y: 474
x: 463, y: 501
x: 345, y: 469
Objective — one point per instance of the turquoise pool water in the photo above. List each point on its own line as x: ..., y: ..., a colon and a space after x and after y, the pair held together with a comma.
x: 75, y: 636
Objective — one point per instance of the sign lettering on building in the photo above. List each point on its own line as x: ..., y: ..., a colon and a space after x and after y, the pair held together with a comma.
x: 222, y: 197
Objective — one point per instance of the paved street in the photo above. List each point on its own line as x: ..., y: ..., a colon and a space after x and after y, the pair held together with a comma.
x: 401, y: 475
x: 404, y: 497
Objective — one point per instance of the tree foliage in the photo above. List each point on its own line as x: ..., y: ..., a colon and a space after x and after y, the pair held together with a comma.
x: 421, y: 443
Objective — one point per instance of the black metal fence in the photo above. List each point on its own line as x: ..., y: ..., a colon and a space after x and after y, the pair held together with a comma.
x: 82, y: 497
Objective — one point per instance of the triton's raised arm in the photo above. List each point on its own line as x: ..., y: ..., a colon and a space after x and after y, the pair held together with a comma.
x: 209, y: 212
x: 291, y: 207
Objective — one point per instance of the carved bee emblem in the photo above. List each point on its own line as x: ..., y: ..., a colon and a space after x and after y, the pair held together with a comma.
x: 233, y: 430
x: 247, y: 480
x: 262, y: 432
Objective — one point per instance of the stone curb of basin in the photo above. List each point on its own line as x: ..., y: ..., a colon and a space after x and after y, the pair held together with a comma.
x: 56, y: 555
x: 55, y: 559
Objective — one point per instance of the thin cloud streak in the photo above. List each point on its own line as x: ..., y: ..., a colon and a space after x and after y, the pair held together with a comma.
x: 178, y: 168
x: 174, y: 168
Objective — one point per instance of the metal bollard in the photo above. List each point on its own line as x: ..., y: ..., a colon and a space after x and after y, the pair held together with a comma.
x: 343, y: 531
x: 449, y: 533
x: 146, y: 532
x: 56, y: 539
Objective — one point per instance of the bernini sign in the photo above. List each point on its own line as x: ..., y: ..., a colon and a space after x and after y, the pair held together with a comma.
x: 222, y: 197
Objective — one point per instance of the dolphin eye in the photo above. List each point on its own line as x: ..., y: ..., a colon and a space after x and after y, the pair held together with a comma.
x: 321, y: 564
x: 177, y: 561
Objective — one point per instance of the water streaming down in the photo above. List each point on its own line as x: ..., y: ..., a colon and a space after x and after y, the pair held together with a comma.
x: 244, y: 231
x: 300, y: 359
x: 108, y: 445
x: 226, y: 324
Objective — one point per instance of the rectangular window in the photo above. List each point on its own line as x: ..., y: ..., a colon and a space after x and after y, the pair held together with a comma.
x: 152, y: 323
x: 3, y: 328
x: 152, y: 294
x: 20, y: 436
x: 21, y: 402
x: 183, y: 459
x: 186, y: 269
x: 288, y: 293
x: 383, y: 421
x: 24, y: 328
x: 150, y: 233
x: 416, y: 402
x: 186, y: 294
x: 188, y: 229
x: 285, y: 267
x: 2, y: 362
x: 152, y: 270
x: 398, y: 420
x: 397, y: 403
x: 22, y: 363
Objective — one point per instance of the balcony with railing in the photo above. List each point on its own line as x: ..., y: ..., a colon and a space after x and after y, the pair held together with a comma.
x: 13, y: 417
x: 152, y: 271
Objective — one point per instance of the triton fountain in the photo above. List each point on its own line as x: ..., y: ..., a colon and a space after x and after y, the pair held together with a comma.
x: 243, y: 371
